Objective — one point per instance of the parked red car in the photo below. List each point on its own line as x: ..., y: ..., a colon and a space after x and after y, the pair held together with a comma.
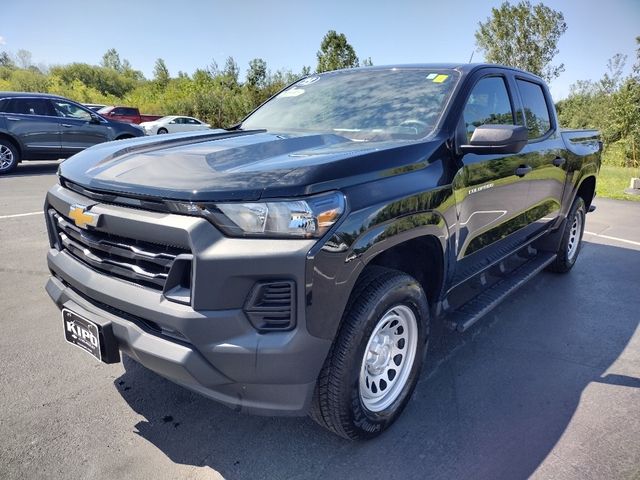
x: 126, y: 114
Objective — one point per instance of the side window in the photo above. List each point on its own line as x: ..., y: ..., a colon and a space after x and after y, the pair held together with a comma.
x: 70, y: 110
x: 30, y: 106
x: 488, y: 104
x: 130, y: 112
x: 536, y: 113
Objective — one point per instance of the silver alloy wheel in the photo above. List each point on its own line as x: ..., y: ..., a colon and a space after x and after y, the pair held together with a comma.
x: 6, y: 157
x: 574, y: 235
x: 388, y: 358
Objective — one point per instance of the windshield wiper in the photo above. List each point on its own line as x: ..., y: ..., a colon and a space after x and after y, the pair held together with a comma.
x: 234, y: 127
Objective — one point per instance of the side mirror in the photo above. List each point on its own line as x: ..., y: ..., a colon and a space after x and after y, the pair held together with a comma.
x: 95, y: 119
x: 496, y: 139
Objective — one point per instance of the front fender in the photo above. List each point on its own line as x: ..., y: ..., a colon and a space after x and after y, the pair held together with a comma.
x: 334, y: 270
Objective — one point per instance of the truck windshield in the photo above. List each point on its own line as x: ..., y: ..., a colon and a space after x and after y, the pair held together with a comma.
x: 365, y: 105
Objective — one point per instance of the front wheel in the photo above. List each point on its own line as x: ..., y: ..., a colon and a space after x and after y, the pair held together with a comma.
x: 571, y: 238
x: 162, y: 131
x: 9, y: 156
x: 374, y: 363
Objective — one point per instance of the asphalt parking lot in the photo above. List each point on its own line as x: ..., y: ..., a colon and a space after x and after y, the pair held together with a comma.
x: 548, y: 385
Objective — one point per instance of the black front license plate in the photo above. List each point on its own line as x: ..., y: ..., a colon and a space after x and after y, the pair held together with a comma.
x: 82, y: 333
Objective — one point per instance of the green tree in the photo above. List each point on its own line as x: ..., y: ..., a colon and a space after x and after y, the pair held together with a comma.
x: 367, y: 62
x: 257, y: 73
x: 161, y: 73
x: 106, y: 80
x: 111, y: 59
x: 6, y: 61
x: 24, y: 58
x: 231, y: 72
x: 523, y: 36
x: 335, y: 53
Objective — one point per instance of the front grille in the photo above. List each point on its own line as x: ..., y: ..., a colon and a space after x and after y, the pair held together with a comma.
x: 141, y: 262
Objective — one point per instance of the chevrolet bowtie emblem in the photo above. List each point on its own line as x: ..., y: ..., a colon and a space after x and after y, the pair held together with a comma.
x: 82, y: 217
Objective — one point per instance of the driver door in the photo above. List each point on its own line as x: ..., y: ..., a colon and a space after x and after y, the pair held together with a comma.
x: 490, y: 198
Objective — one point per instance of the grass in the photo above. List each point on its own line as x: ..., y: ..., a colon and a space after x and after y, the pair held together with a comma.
x: 612, y: 182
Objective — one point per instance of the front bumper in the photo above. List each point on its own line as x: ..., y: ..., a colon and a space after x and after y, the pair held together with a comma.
x: 208, y: 345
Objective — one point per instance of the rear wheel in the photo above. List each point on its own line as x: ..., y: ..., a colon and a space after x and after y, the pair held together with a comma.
x: 162, y: 130
x: 571, y: 238
x: 9, y: 156
x: 374, y: 363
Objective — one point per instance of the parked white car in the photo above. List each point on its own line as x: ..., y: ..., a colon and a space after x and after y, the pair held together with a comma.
x: 173, y: 124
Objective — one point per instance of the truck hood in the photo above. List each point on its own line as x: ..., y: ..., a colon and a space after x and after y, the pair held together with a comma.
x: 240, y: 165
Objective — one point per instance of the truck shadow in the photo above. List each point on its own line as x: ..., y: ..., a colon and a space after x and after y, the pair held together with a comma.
x: 492, y: 403
x: 35, y: 168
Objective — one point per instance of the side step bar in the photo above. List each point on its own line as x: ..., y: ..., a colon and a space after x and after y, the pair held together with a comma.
x: 472, y: 311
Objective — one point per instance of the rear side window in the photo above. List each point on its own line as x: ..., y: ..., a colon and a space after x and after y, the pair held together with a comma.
x: 30, y: 106
x: 536, y: 113
x: 129, y: 112
x: 488, y: 104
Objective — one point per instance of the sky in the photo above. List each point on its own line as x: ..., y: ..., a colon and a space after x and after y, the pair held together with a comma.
x: 189, y: 34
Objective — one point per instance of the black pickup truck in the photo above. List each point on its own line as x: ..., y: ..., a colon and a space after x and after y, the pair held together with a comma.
x: 300, y: 261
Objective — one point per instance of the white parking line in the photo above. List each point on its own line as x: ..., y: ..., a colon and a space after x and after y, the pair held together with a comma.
x: 631, y: 242
x: 20, y: 215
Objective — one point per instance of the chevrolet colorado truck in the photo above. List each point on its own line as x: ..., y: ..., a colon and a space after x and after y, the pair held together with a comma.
x: 300, y: 261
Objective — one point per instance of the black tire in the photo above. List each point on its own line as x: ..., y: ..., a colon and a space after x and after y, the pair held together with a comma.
x: 162, y: 131
x: 574, y: 229
x: 338, y: 403
x: 9, y: 156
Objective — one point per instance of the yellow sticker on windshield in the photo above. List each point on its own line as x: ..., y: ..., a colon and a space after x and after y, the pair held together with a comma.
x: 440, y: 78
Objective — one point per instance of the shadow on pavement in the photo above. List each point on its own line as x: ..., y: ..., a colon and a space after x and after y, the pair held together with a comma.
x: 36, y: 167
x: 491, y: 403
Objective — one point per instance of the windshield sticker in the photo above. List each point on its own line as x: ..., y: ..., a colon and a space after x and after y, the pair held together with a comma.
x: 440, y: 78
x: 292, y: 92
x: 431, y: 76
x: 307, y: 81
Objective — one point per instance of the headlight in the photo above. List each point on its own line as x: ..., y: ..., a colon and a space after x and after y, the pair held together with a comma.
x: 310, y: 217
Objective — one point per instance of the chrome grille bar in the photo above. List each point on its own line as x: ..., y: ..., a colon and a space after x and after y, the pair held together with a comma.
x: 141, y: 262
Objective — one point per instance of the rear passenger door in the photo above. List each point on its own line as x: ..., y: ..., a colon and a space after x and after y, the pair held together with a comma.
x: 33, y: 121
x: 78, y: 131
x: 543, y: 153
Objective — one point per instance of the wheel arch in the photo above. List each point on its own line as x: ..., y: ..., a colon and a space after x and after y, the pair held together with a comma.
x: 422, y: 258
x: 413, y: 244
x: 124, y: 136
x: 14, y: 141
x: 587, y: 189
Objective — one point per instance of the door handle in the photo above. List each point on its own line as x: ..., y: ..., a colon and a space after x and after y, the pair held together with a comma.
x: 14, y: 119
x: 559, y: 161
x: 522, y: 170
x: 67, y: 125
